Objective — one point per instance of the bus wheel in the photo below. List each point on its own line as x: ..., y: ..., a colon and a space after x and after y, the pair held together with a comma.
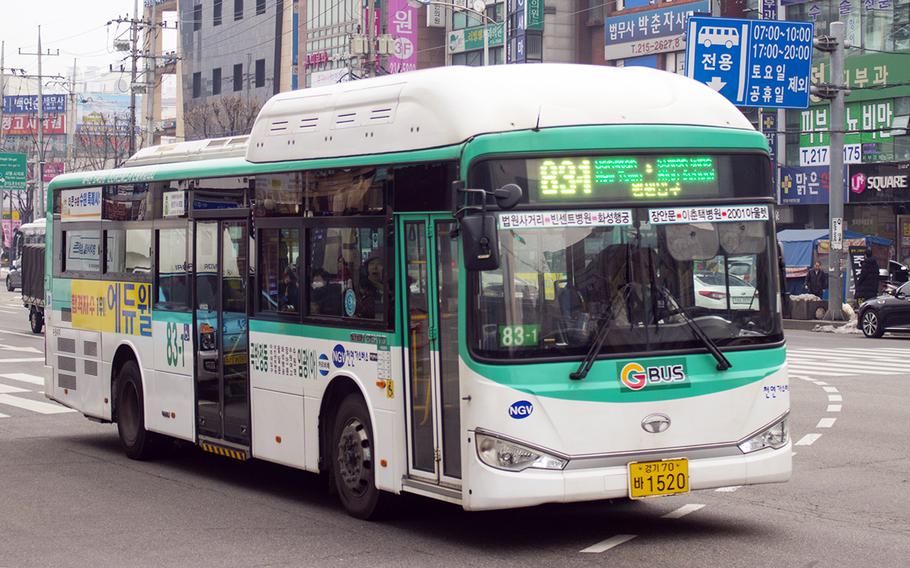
x: 353, y: 459
x: 9, y: 284
x: 36, y: 319
x: 137, y: 442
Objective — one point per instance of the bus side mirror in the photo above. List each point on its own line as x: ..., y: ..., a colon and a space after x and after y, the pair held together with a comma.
x: 480, y: 241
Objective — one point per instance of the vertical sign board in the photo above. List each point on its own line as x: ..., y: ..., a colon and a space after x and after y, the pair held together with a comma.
x: 751, y: 62
x: 13, y: 168
x: 402, y: 22
x: 837, y: 233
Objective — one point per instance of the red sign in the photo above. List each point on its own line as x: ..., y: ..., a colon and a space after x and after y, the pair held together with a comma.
x: 27, y: 124
x: 51, y: 170
x: 317, y: 58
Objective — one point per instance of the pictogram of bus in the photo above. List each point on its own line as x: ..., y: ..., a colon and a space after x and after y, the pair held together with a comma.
x: 710, y: 35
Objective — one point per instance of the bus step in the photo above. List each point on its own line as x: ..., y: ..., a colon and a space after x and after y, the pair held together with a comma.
x: 228, y: 451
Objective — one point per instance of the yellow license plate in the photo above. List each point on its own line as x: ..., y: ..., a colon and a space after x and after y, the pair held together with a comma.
x: 235, y: 359
x: 665, y: 477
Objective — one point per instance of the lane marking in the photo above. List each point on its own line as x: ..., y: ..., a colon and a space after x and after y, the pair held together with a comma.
x: 5, y: 347
x: 835, y: 398
x: 23, y: 360
x: 4, y: 415
x: 21, y: 334
x: 6, y: 389
x: 33, y: 405
x: 826, y: 423
x: 829, y: 389
x: 834, y: 407
x: 808, y: 440
x: 24, y: 378
x: 729, y: 489
x: 682, y: 511
x: 611, y: 542
x: 820, y: 372
x: 820, y: 383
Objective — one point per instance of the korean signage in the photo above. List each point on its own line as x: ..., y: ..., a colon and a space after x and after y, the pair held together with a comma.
x: 471, y: 39
x: 515, y: 50
x: 768, y: 9
x: 402, y: 22
x: 879, y: 183
x: 28, y: 104
x: 674, y: 215
x: 174, y: 203
x: 558, y: 219
x: 12, y: 172
x: 805, y: 185
x: 867, y: 137
x: 649, y: 31
x: 837, y: 233
x: 118, y: 307
x: 752, y: 62
x: 436, y: 16
x: 870, y: 77
x: 768, y: 127
x: 80, y: 204
x: 27, y: 124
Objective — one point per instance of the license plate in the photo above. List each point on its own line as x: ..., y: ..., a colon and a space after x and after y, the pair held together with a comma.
x: 665, y: 477
x: 742, y: 300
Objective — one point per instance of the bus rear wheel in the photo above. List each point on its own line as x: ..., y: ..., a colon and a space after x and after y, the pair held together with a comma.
x: 137, y: 442
x: 354, y: 459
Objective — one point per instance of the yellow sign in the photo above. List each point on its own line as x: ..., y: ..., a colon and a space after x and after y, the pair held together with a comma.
x: 118, y: 307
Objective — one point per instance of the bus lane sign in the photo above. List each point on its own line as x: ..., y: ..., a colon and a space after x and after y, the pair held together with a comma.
x: 753, y: 63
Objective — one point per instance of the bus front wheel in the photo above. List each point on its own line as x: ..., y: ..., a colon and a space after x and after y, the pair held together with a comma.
x: 137, y: 442
x: 354, y: 460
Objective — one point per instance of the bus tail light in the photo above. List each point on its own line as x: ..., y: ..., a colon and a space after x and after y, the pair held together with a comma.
x: 510, y: 456
x: 712, y: 295
x: 775, y: 436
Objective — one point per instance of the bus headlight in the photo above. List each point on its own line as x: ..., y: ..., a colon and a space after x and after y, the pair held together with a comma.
x: 775, y: 436
x: 510, y: 456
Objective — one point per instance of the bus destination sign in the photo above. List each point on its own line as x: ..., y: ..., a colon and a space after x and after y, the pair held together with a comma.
x: 624, y: 177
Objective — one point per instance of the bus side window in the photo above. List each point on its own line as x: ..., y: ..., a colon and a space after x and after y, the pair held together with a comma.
x: 173, y: 277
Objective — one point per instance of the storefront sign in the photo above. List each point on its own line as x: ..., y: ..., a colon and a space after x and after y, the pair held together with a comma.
x: 887, y: 72
x: 317, y: 58
x: 515, y: 50
x: 768, y: 9
x: 436, y: 16
x: 646, y: 47
x: 879, y: 183
x: 645, y: 25
x: 28, y: 104
x: 27, y: 124
x: 402, y: 22
x: 471, y: 39
x: 805, y: 185
x: 868, y: 126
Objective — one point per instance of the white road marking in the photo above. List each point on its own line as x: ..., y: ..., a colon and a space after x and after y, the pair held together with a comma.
x: 4, y: 347
x: 611, y: 542
x: 4, y: 415
x: 6, y: 389
x: 834, y: 407
x: 24, y: 378
x: 22, y: 360
x: 820, y: 383
x: 829, y: 389
x: 808, y: 440
x: 729, y: 489
x: 682, y: 511
x: 826, y: 423
x: 21, y: 334
x: 33, y: 405
x: 835, y: 398
x: 815, y: 370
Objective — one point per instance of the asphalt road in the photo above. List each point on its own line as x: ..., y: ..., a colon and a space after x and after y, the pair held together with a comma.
x: 69, y: 497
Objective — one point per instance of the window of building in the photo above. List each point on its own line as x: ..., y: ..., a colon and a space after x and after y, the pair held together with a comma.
x: 320, y: 193
x: 216, y: 13
x: 279, y: 253
x: 197, y: 85
x: 260, y: 7
x: 348, y: 277
x: 238, y: 77
x: 128, y: 251
x: 216, y: 81
x: 197, y: 17
x: 238, y: 10
x: 173, y: 273
x: 260, y: 72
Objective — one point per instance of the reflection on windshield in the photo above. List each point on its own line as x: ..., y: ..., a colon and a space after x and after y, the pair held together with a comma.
x: 556, y: 286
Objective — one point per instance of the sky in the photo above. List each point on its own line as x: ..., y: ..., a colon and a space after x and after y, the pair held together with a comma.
x: 75, y: 27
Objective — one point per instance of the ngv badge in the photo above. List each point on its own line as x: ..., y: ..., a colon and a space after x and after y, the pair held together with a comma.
x: 521, y: 409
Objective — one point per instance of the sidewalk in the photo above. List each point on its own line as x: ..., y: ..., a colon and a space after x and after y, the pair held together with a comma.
x: 804, y: 325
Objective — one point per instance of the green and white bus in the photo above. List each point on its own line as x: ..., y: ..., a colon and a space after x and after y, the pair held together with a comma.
x: 497, y: 287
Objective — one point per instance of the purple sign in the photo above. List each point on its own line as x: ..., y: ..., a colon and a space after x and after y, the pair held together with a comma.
x: 805, y: 185
x: 403, y: 28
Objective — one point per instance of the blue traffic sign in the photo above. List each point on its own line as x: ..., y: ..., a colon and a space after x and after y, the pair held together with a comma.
x: 753, y: 63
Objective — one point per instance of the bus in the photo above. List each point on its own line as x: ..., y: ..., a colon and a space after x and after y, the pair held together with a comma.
x: 478, y: 285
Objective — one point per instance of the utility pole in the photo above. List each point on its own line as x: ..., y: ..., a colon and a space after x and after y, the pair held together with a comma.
x: 134, y: 55
x: 2, y: 89
x: 151, y: 39
x: 3, y: 193
x: 835, y: 91
x: 71, y: 121
x: 38, y: 206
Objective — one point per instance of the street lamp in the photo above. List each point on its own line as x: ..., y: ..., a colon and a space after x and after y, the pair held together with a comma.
x: 477, y: 7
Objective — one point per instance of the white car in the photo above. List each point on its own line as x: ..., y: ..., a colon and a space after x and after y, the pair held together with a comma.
x: 711, y: 292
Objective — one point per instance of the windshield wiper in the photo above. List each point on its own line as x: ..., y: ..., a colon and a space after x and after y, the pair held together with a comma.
x: 601, y: 336
x: 722, y: 362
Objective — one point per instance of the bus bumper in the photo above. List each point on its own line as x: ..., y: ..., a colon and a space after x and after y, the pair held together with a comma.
x: 491, y: 488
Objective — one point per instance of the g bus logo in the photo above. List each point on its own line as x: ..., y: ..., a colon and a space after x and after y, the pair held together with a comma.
x: 338, y: 356
x: 521, y: 409
x: 633, y: 376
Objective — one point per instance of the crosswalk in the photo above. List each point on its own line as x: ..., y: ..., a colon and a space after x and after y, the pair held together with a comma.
x: 818, y: 362
x: 23, y: 391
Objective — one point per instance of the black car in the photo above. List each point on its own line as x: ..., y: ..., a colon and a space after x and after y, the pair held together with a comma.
x: 885, y: 313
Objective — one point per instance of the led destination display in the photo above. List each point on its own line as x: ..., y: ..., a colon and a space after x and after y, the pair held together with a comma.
x: 629, y: 177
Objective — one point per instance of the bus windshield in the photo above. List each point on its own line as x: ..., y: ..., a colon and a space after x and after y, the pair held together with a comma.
x: 565, y: 274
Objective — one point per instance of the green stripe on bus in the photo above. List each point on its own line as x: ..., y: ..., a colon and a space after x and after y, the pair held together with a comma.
x: 175, y: 317
x: 603, y: 383
x: 348, y: 334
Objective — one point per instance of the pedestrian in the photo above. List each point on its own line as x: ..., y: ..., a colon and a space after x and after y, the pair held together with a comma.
x: 816, y: 280
x: 867, y: 281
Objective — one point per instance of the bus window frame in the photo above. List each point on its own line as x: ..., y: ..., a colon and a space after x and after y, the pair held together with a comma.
x: 129, y: 276
x: 60, y: 230
x: 273, y: 223
x: 174, y: 223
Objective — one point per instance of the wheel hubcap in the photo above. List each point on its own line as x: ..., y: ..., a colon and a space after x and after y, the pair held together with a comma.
x: 355, y: 457
x: 870, y: 323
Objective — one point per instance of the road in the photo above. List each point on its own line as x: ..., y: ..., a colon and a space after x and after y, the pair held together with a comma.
x: 69, y: 497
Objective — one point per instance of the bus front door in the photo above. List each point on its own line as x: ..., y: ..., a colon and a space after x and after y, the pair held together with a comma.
x: 222, y: 376
x: 429, y: 281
